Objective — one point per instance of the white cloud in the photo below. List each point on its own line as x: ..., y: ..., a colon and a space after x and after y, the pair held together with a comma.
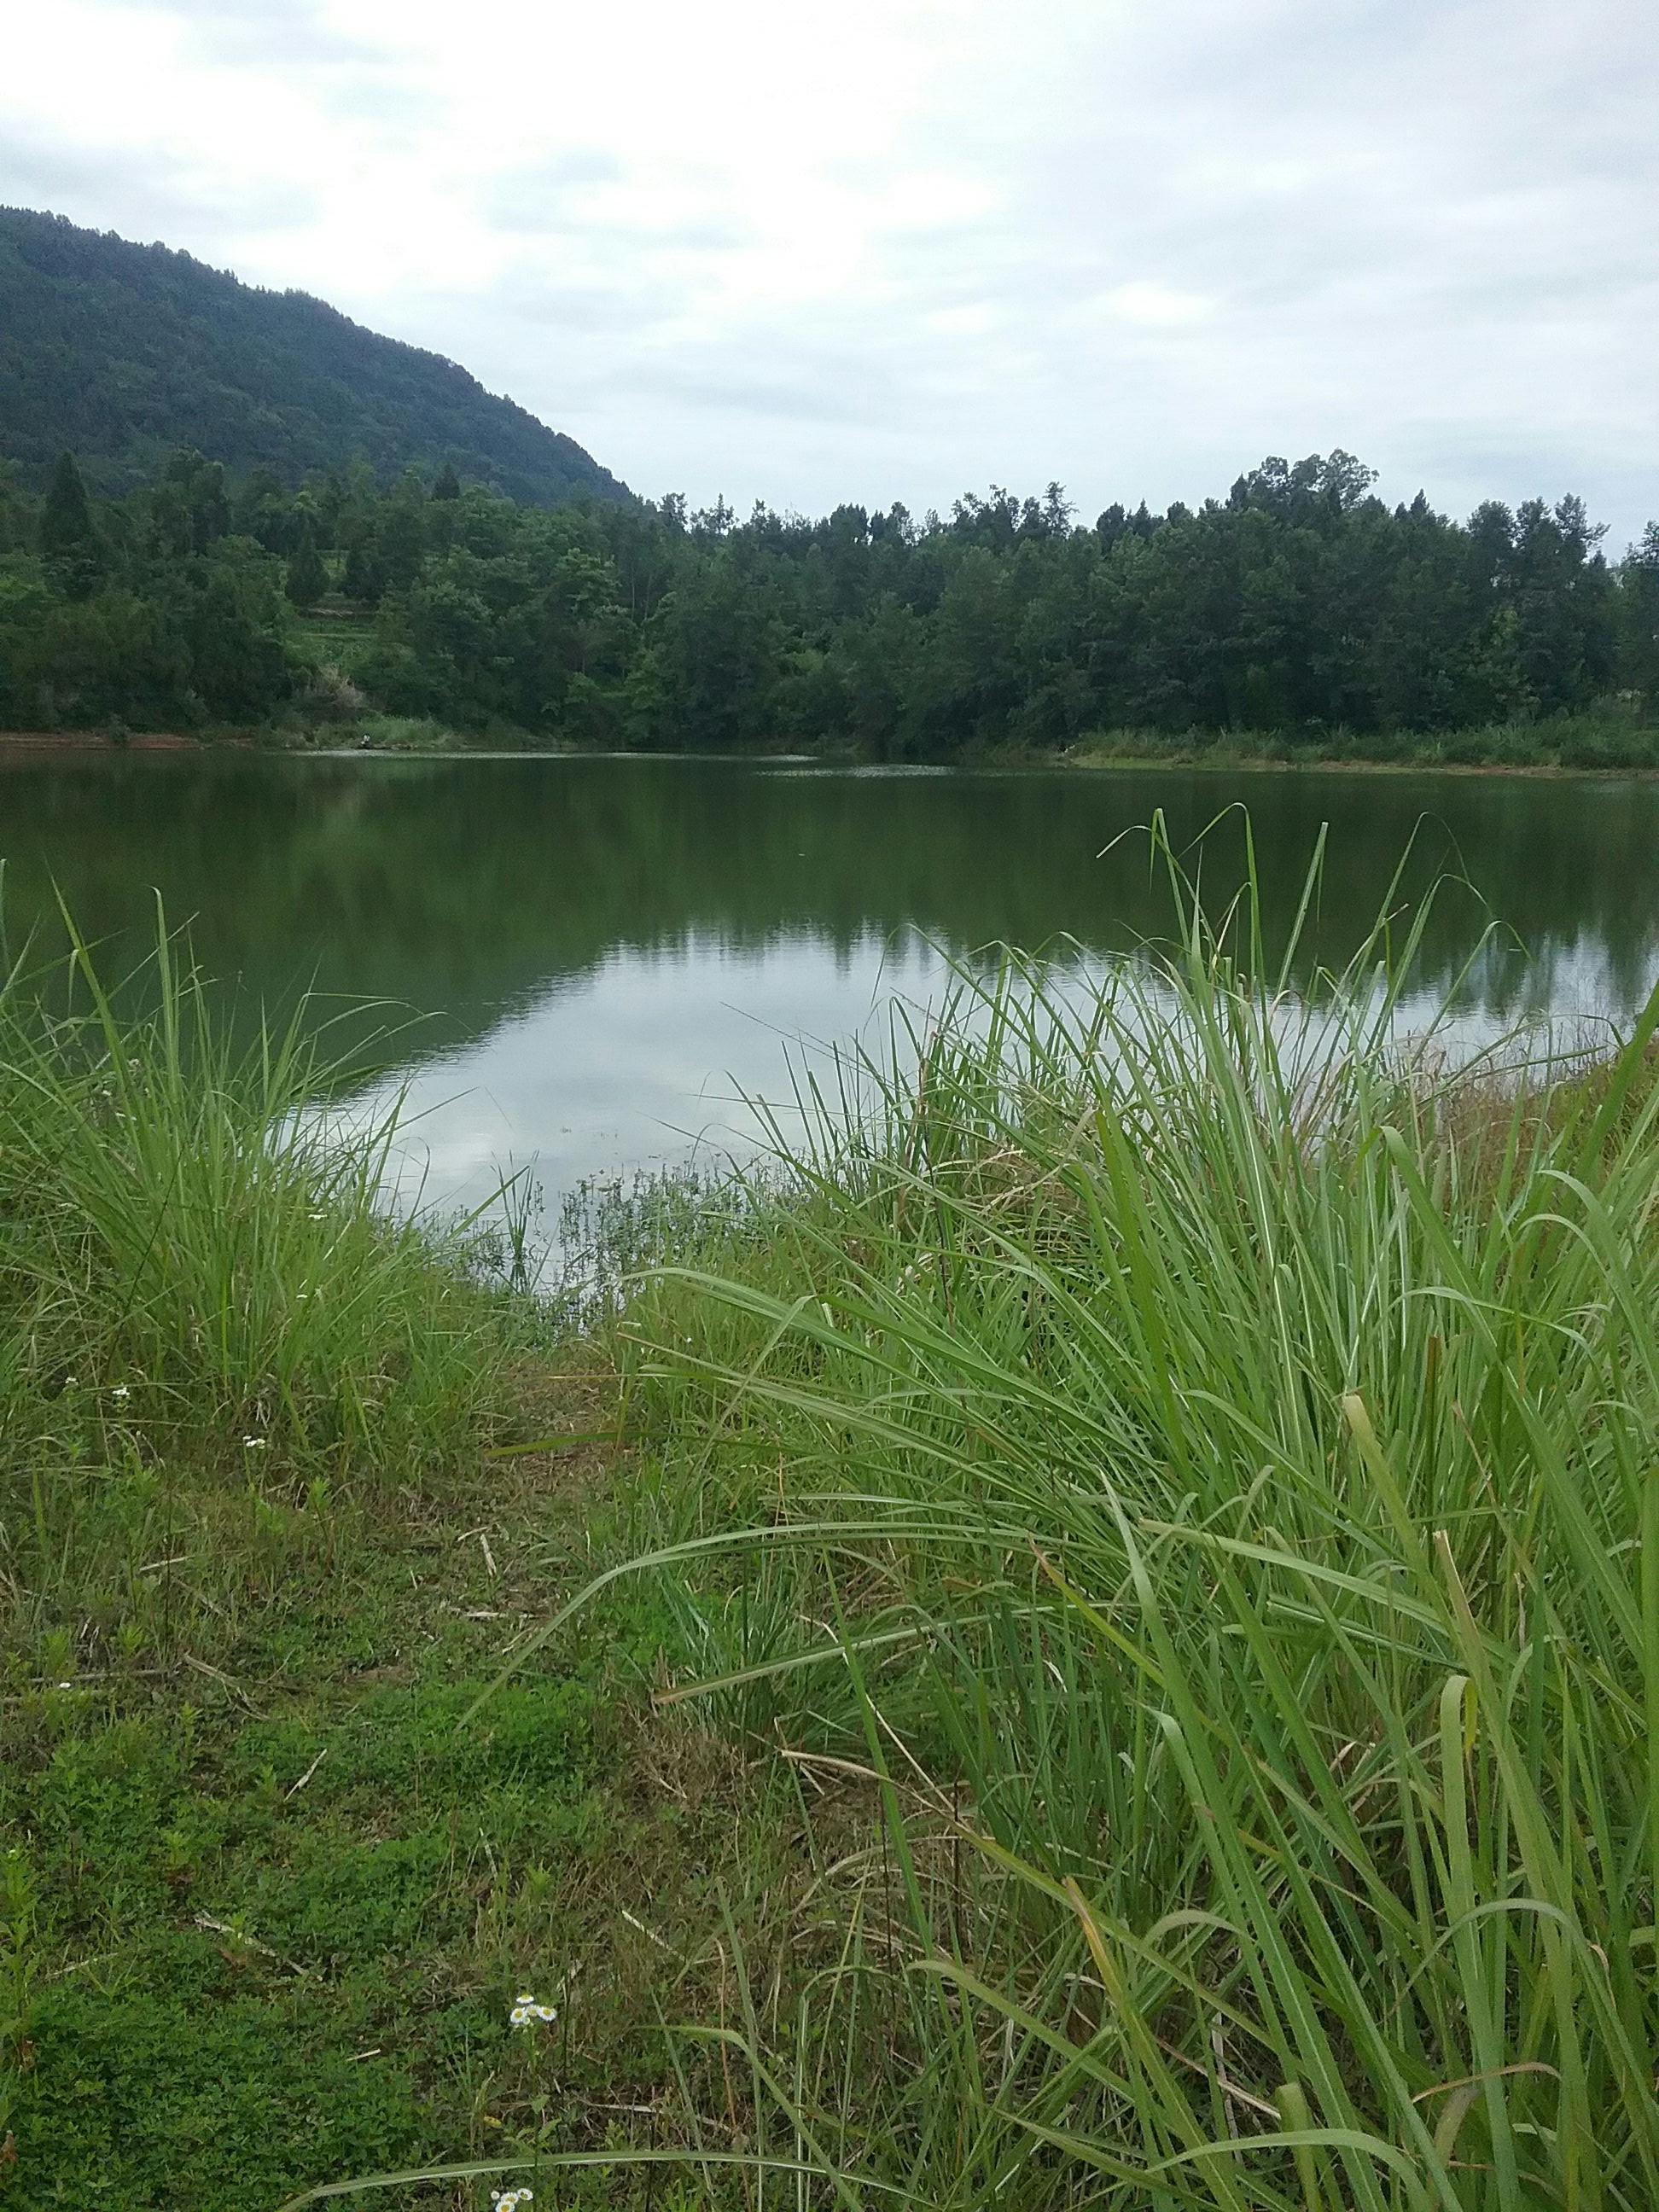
x: 919, y: 244
x: 1156, y: 306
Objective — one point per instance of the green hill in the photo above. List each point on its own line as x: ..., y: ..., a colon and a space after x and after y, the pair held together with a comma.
x: 124, y: 352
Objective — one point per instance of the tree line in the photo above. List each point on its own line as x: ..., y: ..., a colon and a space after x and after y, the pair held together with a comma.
x: 1300, y: 604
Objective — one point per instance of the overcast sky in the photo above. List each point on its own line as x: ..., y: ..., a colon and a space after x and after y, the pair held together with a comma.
x: 895, y: 249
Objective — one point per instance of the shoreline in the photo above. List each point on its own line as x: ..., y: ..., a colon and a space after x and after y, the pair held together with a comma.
x: 229, y: 1751
x: 40, y: 745
x: 1347, y: 764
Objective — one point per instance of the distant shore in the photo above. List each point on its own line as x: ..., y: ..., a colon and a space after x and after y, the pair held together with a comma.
x: 99, y: 741
x: 1220, y: 762
x: 1221, y: 757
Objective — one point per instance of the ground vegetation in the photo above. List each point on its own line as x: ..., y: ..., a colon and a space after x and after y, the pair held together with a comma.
x: 1086, y: 1639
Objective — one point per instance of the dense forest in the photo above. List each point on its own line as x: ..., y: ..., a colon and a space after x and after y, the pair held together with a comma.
x: 126, y: 351
x: 1300, y: 604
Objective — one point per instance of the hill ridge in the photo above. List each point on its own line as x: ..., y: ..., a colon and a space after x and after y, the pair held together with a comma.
x: 122, y: 351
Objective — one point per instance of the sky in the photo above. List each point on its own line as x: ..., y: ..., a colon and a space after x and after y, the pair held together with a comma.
x: 900, y: 249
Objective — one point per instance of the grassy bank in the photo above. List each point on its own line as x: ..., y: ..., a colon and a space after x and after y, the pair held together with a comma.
x: 1198, y: 1473
x: 264, y: 1901
x: 1095, y: 1642
x: 1615, y: 736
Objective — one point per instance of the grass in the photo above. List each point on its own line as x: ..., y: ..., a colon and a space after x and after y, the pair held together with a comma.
x: 1196, y: 1465
x: 264, y: 1903
x: 1618, y: 733
x: 189, y: 1256
x: 281, y: 1902
x: 1093, y: 1643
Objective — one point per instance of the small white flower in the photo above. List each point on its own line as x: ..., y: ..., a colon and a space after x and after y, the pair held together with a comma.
x: 255, y: 1443
x: 526, y: 2012
x: 120, y: 1390
x: 508, y: 2200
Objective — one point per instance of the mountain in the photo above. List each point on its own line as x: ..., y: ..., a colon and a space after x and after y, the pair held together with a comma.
x: 123, y: 352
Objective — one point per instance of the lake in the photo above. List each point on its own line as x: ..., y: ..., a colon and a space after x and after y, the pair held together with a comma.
x: 598, y: 959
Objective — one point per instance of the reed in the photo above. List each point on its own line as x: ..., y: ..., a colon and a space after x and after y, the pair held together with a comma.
x: 1196, y: 1457
x: 1162, y: 1476
x: 194, y: 1263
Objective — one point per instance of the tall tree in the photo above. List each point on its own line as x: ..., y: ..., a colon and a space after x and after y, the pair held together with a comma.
x: 307, y: 578
x: 1639, y: 668
x: 66, y: 532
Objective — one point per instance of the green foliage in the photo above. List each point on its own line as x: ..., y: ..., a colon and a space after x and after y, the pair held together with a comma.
x: 262, y: 1947
x: 193, y: 1253
x: 1299, y: 619
x: 1171, y: 1475
x: 267, y: 1891
x: 1300, y: 608
x: 65, y: 518
x: 1206, y: 1457
x: 1640, y: 608
x: 148, y: 613
x: 265, y: 1895
x: 307, y: 579
x: 123, y: 351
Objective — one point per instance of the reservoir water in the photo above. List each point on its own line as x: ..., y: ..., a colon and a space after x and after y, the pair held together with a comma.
x: 594, y: 961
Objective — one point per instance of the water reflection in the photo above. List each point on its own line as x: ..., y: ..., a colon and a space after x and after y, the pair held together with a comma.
x: 603, y: 952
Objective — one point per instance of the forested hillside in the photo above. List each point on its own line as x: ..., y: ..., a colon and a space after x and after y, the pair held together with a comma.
x: 124, y: 352
x: 1300, y: 607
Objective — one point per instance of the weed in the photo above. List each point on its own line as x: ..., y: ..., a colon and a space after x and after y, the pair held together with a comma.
x: 1212, y: 1443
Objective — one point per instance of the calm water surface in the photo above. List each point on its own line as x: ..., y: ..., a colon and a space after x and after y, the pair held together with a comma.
x: 601, y: 957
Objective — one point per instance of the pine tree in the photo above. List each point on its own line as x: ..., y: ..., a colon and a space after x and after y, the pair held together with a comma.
x: 448, y: 485
x: 307, y: 579
x: 65, y: 518
x: 365, y: 577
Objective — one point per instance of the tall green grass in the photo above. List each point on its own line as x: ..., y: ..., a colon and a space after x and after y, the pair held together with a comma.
x: 1199, y: 1462
x: 194, y: 1263
x: 220, y: 1352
